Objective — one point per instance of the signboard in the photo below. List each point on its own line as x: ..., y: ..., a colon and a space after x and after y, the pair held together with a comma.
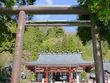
x: 39, y: 70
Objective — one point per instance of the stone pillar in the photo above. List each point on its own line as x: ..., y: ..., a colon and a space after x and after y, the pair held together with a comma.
x: 99, y: 72
x: 15, y: 77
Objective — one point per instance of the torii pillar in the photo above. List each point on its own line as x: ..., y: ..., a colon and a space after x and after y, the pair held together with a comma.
x: 15, y: 77
x: 99, y: 72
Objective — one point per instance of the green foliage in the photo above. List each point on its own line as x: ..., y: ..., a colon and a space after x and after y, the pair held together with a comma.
x: 101, y: 10
x: 33, y: 76
x: 33, y: 38
x: 100, y: 7
x: 50, y: 33
x: 84, y: 75
x: 24, y: 80
x: 58, y: 46
x: 25, y: 2
x: 8, y: 25
x: 55, y: 32
x: 71, y: 44
x: 65, y: 44
x: 8, y: 3
x: 86, y: 35
x: 83, y: 48
x: 5, y: 58
x: 7, y: 38
x: 104, y: 47
x: 0, y: 72
x: 59, y: 32
x: 48, y: 45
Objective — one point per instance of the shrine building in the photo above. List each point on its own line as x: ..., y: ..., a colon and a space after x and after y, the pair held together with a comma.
x: 53, y: 67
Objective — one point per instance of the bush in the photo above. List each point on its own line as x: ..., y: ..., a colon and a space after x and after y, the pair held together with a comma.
x: 83, y: 75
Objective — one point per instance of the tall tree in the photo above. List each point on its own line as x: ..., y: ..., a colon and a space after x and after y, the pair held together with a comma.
x: 58, y: 46
x: 7, y: 35
x: 71, y: 44
x: 59, y: 32
x: 54, y: 32
x: 51, y: 33
x: 33, y: 38
x: 48, y: 45
x: 101, y: 10
x: 100, y: 7
x: 65, y: 44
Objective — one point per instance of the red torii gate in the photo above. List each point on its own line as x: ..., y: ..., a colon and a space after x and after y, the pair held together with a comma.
x: 51, y: 10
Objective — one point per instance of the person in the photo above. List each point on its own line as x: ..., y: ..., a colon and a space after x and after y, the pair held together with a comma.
x: 23, y: 76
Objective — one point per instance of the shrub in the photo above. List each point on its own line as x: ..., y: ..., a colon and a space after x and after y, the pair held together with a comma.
x: 83, y: 75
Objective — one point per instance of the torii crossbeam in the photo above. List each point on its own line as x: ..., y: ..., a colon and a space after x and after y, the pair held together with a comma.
x: 83, y: 23
x: 43, y: 9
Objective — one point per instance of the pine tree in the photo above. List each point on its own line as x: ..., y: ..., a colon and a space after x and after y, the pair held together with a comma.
x: 58, y: 46
x: 65, y: 44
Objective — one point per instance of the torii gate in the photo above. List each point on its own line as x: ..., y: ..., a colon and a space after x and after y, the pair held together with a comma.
x: 23, y: 10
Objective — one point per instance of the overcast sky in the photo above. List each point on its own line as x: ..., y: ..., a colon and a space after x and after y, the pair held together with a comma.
x: 57, y: 17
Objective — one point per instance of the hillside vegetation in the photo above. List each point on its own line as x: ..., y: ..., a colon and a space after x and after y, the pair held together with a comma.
x: 37, y: 39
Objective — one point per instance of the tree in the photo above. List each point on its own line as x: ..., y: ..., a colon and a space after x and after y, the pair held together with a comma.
x: 58, y: 46
x: 7, y: 31
x: 86, y: 35
x: 59, y: 32
x: 55, y: 32
x: 100, y: 7
x: 71, y: 44
x: 65, y: 44
x: 83, y: 75
x: 50, y: 33
x: 101, y: 12
x: 33, y: 38
x: 48, y: 45
x: 7, y: 37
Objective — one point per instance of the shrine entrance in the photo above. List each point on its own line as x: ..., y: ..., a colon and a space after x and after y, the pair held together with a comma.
x: 32, y: 10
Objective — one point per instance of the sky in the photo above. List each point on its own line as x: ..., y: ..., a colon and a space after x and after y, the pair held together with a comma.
x: 57, y: 17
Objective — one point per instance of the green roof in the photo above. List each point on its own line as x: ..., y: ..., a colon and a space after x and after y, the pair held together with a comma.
x: 59, y: 60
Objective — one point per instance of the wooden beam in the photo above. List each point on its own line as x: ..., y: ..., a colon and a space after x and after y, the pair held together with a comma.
x: 32, y: 10
x: 58, y: 71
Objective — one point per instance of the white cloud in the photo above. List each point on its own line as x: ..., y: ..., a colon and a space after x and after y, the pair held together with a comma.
x: 43, y: 2
x: 49, y: 2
